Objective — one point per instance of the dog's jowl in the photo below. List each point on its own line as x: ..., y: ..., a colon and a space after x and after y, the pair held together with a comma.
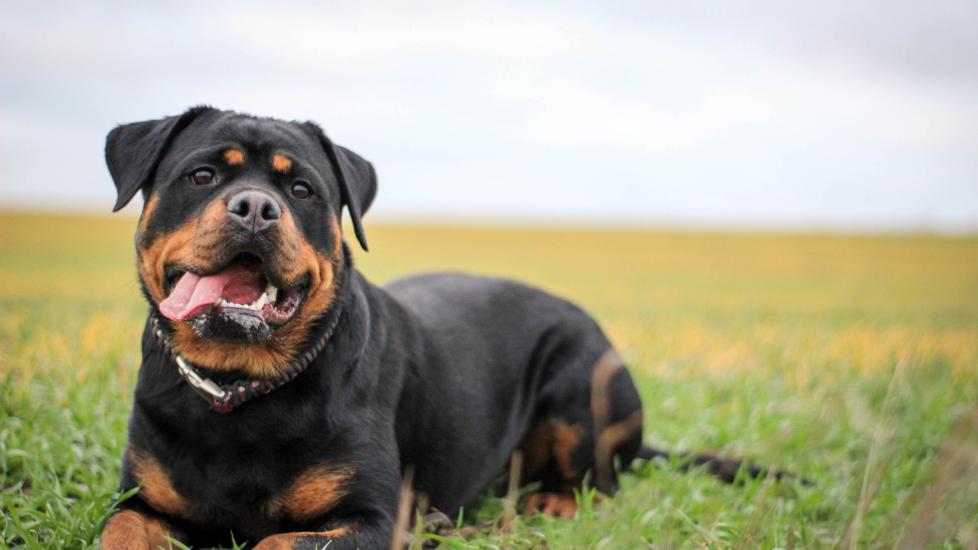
x: 282, y: 396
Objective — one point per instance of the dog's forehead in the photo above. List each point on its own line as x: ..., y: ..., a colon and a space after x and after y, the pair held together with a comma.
x: 254, y: 133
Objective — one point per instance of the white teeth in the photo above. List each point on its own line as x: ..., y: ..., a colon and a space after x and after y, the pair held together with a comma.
x: 267, y: 297
x: 256, y: 305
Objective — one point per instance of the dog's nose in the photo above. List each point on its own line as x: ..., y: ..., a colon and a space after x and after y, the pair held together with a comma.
x: 255, y: 210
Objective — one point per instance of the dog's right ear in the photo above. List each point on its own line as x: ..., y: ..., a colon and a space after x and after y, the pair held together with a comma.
x: 133, y: 151
x: 356, y: 176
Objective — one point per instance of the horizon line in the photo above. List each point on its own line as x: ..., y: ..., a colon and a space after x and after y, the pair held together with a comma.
x: 620, y: 223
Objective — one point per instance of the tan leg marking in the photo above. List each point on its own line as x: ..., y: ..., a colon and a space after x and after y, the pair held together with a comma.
x: 311, y: 494
x: 567, y: 438
x: 604, y: 369
x: 608, y: 364
x: 131, y: 530
x: 608, y: 442
x: 157, y: 490
x: 537, y: 448
x: 554, y: 439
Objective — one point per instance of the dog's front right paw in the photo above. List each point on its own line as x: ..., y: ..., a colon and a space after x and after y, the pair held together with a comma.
x: 132, y: 530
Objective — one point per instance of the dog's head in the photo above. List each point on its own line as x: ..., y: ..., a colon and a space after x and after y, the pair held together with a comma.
x: 239, y: 243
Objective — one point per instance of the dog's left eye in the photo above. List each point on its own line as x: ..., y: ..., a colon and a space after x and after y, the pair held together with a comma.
x: 202, y: 176
x: 301, y: 190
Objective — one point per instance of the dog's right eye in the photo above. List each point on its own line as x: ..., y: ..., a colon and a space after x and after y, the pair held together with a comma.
x: 202, y: 176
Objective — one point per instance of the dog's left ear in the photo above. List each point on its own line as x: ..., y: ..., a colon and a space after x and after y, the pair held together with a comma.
x: 133, y: 151
x: 357, y: 179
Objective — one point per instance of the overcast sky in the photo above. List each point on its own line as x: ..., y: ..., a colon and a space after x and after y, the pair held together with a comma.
x: 817, y: 114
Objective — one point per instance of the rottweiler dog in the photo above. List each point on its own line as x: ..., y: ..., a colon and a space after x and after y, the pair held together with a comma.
x: 281, y: 395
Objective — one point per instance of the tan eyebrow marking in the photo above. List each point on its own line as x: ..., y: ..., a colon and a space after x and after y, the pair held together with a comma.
x: 281, y: 163
x: 234, y: 157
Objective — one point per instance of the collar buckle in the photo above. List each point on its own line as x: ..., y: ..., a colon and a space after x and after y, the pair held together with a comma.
x: 205, y: 387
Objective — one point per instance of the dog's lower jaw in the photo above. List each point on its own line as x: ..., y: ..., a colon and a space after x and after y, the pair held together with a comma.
x: 231, y: 328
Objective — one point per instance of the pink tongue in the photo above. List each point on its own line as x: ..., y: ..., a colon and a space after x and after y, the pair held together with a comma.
x: 194, y: 294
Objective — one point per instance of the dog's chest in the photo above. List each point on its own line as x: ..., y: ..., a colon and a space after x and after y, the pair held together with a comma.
x: 302, y: 495
x: 247, y: 495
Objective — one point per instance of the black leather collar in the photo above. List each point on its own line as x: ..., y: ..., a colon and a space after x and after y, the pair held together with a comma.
x: 223, y: 398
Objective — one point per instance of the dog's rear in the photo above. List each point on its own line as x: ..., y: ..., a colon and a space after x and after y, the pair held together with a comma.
x: 509, y: 366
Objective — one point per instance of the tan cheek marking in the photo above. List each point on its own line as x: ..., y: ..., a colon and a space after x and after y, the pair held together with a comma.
x: 181, y: 246
x: 312, y: 494
x: 281, y: 163
x: 157, y: 490
x: 148, y: 211
x: 337, y: 239
x: 234, y: 157
x: 173, y: 246
x: 321, y: 269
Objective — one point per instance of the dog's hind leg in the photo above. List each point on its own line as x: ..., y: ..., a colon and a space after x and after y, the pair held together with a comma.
x: 616, y: 412
x: 551, y: 458
x: 592, y: 416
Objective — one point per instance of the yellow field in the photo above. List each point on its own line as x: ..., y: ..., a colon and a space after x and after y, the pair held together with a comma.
x: 715, y: 302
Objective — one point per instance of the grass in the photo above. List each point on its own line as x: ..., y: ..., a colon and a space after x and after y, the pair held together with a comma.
x: 852, y: 360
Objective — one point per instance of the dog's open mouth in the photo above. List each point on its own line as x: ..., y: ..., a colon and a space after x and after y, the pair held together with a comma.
x: 238, y: 294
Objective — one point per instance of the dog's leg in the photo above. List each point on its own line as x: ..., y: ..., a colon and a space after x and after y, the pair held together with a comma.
x: 134, y: 530
x: 552, y: 457
x: 576, y: 436
x: 373, y: 536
